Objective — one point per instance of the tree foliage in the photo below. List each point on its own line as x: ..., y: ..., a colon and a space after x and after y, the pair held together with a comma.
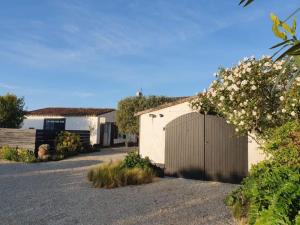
x: 126, y: 120
x: 11, y: 111
x: 252, y: 96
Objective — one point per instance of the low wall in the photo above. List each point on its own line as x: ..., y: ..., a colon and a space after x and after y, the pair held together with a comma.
x: 22, y: 138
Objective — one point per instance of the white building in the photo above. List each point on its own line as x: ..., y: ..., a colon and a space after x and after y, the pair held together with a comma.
x: 153, y: 123
x: 100, y: 122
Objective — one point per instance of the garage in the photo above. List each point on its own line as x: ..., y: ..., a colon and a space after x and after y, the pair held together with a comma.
x: 192, y: 145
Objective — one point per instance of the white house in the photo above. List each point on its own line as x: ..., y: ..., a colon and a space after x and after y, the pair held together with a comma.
x: 155, y: 121
x: 99, y: 121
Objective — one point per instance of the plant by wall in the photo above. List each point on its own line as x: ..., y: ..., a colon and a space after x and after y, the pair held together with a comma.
x: 271, y: 193
x: 251, y: 95
x: 17, y: 155
x: 68, y: 143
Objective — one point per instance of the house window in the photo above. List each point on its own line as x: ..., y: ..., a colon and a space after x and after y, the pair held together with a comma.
x: 54, y: 124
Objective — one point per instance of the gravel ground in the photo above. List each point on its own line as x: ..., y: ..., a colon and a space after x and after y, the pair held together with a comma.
x: 58, y: 193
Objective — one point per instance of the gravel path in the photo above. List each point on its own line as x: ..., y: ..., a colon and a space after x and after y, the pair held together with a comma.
x: 58, y: 193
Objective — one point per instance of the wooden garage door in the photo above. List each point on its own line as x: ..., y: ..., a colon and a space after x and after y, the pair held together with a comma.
x: 184, y: 155
x: 205, y: 147
x: 226, y: 154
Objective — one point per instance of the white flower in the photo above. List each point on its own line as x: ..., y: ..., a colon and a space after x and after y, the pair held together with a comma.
x: 254, y: 113
x: 283, y: 110
x: 248, y: 70
x: 253, y: 87
x: 281, y: 98
x: 298, y: 79
x: 244, y: 82
x: 293, y: 113
x: 222, y: 98
x: 243, y: 111
x: 237, y: 129
x: 241, y: 123
x: 269, y: 117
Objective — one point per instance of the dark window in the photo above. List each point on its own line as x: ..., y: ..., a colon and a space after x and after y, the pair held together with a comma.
x: 54, y: 124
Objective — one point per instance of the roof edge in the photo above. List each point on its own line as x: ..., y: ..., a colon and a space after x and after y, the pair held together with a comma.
x: 166, y: 105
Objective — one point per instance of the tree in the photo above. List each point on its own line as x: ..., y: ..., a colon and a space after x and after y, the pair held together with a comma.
x: 252, y: 96
x: 126, y: 120
x: 11, y: 111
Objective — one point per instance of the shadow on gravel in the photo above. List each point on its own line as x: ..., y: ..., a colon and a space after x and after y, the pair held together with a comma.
x: 19, y: 168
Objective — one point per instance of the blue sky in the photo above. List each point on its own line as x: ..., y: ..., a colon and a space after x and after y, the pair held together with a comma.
x: 92, y: 53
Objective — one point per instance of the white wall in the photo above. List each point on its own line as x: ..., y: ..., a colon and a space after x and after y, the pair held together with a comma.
x: 255, y: 154
x: 84, y: 123
x: 90, y: 123
x: 152, y: 134
x: 108, y: 117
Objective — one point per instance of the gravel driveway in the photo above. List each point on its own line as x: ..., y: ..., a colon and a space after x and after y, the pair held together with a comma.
x: 58, y: 193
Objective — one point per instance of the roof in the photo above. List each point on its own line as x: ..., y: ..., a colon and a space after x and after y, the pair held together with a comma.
x: 69, y: 112
x: 169, y: 104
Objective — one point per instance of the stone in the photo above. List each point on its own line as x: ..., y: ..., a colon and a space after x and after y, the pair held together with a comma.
x: 43, y: 151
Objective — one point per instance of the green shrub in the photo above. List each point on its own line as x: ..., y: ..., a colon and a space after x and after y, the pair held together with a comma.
x: 113, y: 175
x: 26, y: 156
x: 271, y: 192
x: 283, y: 144
x: 18, y: 155
x: 68, y: 143
x: 133, y: 159
x: 8, y: 153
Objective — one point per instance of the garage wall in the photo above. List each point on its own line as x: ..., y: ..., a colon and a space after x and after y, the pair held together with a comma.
x: 255, y: 154
x: 152, y: 134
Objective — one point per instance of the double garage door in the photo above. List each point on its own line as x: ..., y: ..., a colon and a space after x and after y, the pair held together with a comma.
x: 205, y: 147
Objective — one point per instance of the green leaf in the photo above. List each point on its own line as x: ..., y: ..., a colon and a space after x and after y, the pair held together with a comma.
x: 275, y: 27
x: 278, y: 33
x: 287, y: 28
x: 294, y: 26
x: 246, y: 2
x: 280, y: 44
x: 292, y: 49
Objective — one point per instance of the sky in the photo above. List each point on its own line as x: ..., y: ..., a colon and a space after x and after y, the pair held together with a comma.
x: 92, y: 53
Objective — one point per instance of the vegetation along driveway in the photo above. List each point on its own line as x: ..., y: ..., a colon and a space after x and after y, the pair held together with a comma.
x: 59, y: 193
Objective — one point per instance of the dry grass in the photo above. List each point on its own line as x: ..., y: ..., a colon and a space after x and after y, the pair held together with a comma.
x: 113, y: 174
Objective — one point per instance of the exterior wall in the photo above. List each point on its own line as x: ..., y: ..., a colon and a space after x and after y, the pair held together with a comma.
x: 84, y: 123
x: 72, y: 123
x: 108, y: 117
x: 255, y: 154
x: 152, y: 134
x: 36, y: 122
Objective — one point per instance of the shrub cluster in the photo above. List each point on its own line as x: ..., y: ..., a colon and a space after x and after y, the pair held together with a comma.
x: 17, y: 154
x: 68, y: 143
x: 133, y: 159
x: 271, y: 192
x: 133, y: 170
x: 114, y: 174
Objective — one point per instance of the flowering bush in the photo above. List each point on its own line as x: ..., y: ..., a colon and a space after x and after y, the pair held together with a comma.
x: 251, y: 94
